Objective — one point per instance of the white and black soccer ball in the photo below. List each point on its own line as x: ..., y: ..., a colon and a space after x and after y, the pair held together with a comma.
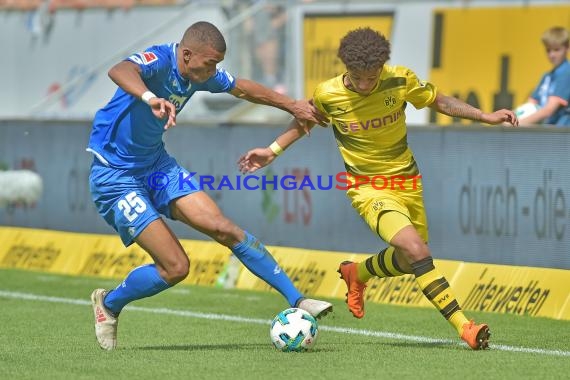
x: 294, y: 330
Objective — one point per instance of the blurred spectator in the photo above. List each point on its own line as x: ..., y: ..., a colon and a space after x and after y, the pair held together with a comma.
x: 263, y: 40
x: 548, y: 103
x: 267, y: 31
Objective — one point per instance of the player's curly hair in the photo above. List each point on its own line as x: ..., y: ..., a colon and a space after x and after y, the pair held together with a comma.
x: 364, y: 49
x: 205, y: 33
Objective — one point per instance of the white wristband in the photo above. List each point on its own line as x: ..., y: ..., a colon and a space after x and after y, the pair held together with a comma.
x: 147, y: 96
x: 276, y: 148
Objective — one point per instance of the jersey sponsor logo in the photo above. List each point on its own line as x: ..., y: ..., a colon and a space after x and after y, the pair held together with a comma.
x: 178, y: 101
x: 365, y: 125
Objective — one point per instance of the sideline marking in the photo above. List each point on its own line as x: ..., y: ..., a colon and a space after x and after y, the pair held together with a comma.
x: 234, y: 318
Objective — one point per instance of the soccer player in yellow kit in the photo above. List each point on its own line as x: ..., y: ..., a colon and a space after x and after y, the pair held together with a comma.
x: 366, y: 109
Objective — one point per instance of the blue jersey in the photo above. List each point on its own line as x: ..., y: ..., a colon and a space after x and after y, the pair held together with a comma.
x: 125, y: 133
x: 555, y: 83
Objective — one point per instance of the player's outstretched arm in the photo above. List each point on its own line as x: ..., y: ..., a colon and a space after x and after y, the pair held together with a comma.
x: 303, y: 110
x: 127, y: 75
x: 450, y: 106
x: 260, y: 157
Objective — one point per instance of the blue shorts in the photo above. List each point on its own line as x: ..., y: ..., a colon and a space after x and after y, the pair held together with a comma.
x: 129, y: 199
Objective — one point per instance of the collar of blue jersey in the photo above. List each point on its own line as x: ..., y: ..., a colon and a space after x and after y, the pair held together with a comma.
x: 180, y: 78
x: 561, y: 67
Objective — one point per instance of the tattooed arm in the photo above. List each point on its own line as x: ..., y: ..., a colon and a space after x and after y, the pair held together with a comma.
x: 454, y: 107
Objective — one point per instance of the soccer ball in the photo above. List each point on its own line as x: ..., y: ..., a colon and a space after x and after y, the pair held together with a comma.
x: 526, y: 109
x: 293, y: 330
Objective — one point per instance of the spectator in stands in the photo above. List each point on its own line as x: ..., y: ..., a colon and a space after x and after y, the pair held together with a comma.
x: 269, y: 37
x: 366, y: 106
x: 133, y: 179
x: 549, y: 102
x: 266, y: 34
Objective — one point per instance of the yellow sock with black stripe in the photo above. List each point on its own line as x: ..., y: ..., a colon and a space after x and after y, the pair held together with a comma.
x: 383, y: 264
x: 436, y: 288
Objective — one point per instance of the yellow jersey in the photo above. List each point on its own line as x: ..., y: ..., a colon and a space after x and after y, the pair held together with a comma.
x: 371, y: 130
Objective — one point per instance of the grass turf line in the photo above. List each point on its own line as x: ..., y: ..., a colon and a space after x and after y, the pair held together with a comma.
x: 156, y: 338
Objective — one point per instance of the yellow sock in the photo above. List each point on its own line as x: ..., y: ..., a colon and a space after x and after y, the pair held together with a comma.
x: 457, y: 320
x: 383, y: 264
x: 436, y: 288
x: 363, y: 274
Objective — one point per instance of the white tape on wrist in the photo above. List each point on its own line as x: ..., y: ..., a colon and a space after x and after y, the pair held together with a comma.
x: 276, y: 148
x: 147, y: 96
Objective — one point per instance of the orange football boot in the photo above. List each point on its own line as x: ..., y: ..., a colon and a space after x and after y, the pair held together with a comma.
x: 355, y: 295
x: 476, y: 336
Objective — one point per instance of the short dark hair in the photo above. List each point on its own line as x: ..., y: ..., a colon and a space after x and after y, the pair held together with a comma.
x: 204, y: 33
x: 364, y: 49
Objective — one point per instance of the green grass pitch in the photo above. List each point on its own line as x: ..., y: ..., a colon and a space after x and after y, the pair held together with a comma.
x: 190, y: 332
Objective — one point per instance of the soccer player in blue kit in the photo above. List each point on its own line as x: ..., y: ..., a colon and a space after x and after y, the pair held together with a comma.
x: 126, y: 141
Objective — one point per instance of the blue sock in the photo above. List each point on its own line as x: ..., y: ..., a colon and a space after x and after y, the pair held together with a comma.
x: 141, y: 282
x: 259, y: 261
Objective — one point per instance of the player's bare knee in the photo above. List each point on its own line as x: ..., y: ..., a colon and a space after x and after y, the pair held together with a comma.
x: 177, y: 272
x: 415, y: 250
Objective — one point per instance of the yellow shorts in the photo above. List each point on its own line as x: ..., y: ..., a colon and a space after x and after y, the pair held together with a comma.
x: 374, y: 207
